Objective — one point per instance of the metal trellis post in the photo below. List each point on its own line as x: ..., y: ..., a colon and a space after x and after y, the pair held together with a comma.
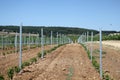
x: 42, y: 44
x: 20, y: 53
x: 100, y: 53
x: 91, y: 44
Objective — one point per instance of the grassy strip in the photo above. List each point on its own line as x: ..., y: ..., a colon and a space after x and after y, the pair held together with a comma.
x: 69, y: 76
x: 11, y: 71
x: 96, y: 64
x: 97, y: 51
x: 49, y: 51
x: 13, y: 51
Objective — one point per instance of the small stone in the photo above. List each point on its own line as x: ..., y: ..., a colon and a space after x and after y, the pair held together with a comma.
x: 84, y: 76
x: 94, y: 77
x: 64, y: 69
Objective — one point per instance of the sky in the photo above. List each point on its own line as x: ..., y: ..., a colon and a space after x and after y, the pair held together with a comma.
x: 90, y: 14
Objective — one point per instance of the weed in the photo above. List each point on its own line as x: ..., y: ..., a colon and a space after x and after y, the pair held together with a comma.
x: 25, y: 64
x: 97, y: 51
x: 106, y: 77
x: 3, y: 53
x: 17, y: 69
x: 10, y: 51
x: 96, y: 65
x: 25, y: 49
x: 103, y: 52
x: 17, y: 50
x: 48, y: 51
x: 89, y: 54
x: 1, y: 77
x: 14, y: 51
x: 32, y: 60
x: 39, y: 54
x: 10, y: 73
x: 45, y: 52
x: 94, y: 62
x: 70, y: 74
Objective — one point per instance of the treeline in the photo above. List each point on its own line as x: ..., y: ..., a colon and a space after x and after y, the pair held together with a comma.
x: 107, y: 37
x: 109, y: 32
x: 111, y: 37
x: 37, y: 29
x: 55, y: 29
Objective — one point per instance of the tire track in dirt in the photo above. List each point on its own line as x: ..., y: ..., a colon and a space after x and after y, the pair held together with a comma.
x: 65, y: 63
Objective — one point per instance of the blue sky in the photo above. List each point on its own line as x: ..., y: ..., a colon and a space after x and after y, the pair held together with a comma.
x: 91, y: 14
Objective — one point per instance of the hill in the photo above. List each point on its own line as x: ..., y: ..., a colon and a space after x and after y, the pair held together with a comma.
x: 55, y: 29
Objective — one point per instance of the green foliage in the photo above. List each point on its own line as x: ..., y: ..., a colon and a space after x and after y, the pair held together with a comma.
x: 39, y: 54
x: 45, y: 52
x: 53, y: 48
x: 48, y: 51
x: 95, y: 64
x: 84, y: 46
x: 88, y: 54
x: 56, y: 47
x: 111, y: 37
x: 70, y: 74
x: 55, y: 29
x: 17, y: 69
x: 25, y: 64
x: 106, y: 77
x: 73, y: 37
x: 32, y: 47
x: 3, y: 53
x: 1, y: 77
x: 10, y: 73
x: 25, y: 49
x: 97, y: 51
x: 10, y: 51
x: 32, y: 60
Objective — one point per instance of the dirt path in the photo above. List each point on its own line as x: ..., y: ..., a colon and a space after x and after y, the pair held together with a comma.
x: 69, y: 62
x: 11, y: 60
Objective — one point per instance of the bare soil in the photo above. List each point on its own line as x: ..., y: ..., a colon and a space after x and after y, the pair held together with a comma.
x: 69, y: 62
x: 112, y: 43
x: 110, y: 59
x: 11, y: 60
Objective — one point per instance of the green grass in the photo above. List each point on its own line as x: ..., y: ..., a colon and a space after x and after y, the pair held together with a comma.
x: 1, y: 77
x: 70, y: 74
x: 73, y: 37
x: 97, y: 51
x: 16, y: 69
x: 32, y: 60
x: 39, y: 55
x: 10, y: 73
x: 25, y: 64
